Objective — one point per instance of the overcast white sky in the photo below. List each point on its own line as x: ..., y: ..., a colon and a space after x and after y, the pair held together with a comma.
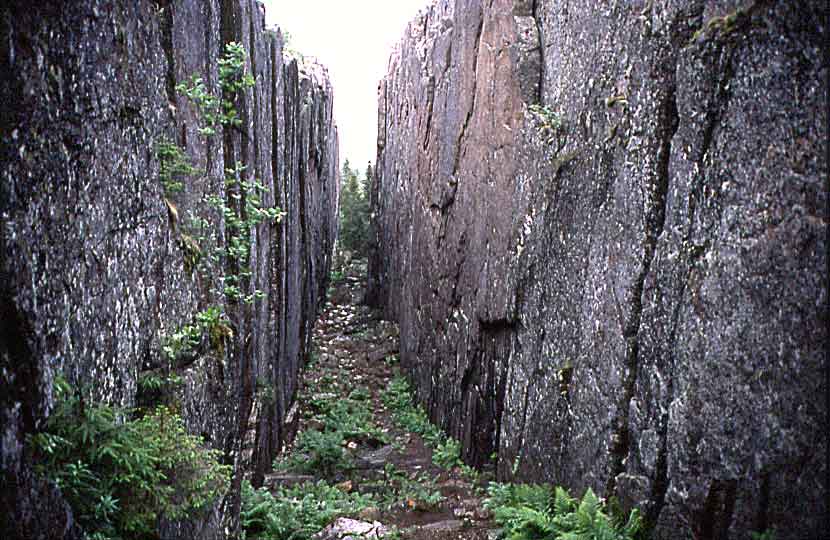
x: 353, y: 38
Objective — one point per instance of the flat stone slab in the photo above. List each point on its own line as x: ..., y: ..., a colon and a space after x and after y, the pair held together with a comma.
x: 376, y: 459
x: 445, y: 526
x: 286, y: 480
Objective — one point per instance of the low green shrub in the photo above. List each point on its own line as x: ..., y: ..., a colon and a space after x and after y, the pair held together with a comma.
x: 120, y: 475
x: 156, y: 388
x: 318, y: 452
x: 409, y: 416
x: 353, y: 419
x: 360, y: 394
x: 417, y: 492
x: 447, y: 454
x: 541, y: 512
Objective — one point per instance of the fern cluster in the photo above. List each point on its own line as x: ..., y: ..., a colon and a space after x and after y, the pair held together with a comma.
x: 414, y: 492
x: 295, y: 513
x: 121, y: 475
x: 541, y: 512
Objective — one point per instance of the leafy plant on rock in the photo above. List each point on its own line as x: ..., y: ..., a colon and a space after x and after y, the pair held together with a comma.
x: 220, y: 111
x: 210, y: 325
x: 174, y: 166
x: 548, y: 122
x: 242, y: 205
x: 121, y: 474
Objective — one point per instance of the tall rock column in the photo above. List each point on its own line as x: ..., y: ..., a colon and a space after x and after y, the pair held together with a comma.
x: 603, y: 232
x: 101, y: 263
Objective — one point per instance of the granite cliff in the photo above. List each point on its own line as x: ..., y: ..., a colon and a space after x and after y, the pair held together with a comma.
x: 602, y: 229
x: 100, y: 264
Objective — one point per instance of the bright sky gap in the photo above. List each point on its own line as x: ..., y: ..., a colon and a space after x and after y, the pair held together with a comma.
x: 353, y: 39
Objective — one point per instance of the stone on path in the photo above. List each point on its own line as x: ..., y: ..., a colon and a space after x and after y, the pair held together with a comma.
x: 352, y: 529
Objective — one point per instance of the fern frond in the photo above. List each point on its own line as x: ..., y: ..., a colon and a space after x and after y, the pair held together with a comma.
x: 587, y: 511
x: 562, y: 502
x: 634, y: 525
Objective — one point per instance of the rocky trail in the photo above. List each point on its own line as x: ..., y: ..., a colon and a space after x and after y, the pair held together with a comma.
x: 354, y: 433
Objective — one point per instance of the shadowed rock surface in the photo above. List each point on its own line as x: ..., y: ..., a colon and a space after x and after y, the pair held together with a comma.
x: 96, y: 265
x: 624, y: 287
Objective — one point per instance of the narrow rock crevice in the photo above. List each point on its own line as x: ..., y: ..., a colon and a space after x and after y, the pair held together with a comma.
x: 166, y: 27
x: 459, y: 152
x: 655, y: 218
x: 715, y: 518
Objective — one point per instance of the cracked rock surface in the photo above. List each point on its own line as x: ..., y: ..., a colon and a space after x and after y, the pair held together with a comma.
x: 607, y: 250
x: 94, y: 270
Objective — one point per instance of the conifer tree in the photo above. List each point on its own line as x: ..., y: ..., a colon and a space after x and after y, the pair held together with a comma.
x: 354, y: 212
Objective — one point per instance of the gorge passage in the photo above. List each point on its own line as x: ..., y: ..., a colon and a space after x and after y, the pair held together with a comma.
x: 599, y: 226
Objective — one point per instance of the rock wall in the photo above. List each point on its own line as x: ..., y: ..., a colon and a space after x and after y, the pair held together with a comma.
x: 99, y: 265
x: 602, y: 230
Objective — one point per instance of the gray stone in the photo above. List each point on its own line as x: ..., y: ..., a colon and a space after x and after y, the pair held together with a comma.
x: 352, y: 529
x: 287, y: 480
x: 628, y: 290
x: 449, y: 525
x: 375, y: 459
x: 93, y: 270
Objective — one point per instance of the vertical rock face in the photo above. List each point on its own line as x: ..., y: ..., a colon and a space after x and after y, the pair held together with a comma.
x: 98, y: 264
x: 603, y: 232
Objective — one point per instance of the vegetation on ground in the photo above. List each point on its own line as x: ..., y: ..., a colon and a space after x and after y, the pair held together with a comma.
x: 337, y: 427
x: 296, y: 513
x: 338, y: 446
x: 412, y: 417
x: 542, y: 512
x: 339, y: 422
x: 415, y: 492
